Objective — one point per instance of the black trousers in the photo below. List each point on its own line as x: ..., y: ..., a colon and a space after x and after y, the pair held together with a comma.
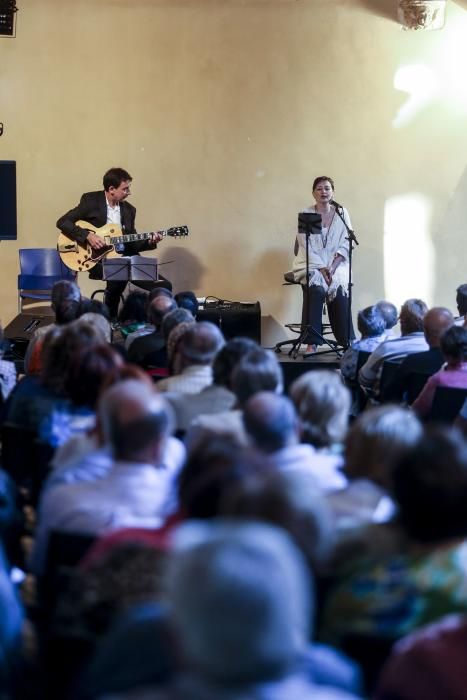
x: 114, y: 291
x: 338, y: 311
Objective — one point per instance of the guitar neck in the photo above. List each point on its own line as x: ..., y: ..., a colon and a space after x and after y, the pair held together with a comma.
x: 131, y: 237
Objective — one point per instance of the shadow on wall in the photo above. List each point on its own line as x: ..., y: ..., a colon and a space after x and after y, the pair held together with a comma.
x: 181, y: 267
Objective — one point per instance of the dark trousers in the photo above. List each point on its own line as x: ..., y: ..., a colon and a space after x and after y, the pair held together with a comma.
x: 114, y: 292
x: 338, y: 311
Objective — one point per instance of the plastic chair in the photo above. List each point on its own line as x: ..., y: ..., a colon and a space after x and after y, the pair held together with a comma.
x: 40, y: 268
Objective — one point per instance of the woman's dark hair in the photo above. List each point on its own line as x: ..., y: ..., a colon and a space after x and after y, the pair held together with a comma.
x: 90, y: 371
x: 323, y: 178
x: 213, y: 467
x: 187, y: 300
x: 430, y: 486
x: 134, y: 308
x: 227, y: 358
x: 454, y: 343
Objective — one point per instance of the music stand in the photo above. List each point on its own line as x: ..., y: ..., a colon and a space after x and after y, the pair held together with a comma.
x: 310, y: 223
x: 135, y: 268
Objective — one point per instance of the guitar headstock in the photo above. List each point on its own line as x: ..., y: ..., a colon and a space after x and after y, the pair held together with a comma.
x: 177, y: 231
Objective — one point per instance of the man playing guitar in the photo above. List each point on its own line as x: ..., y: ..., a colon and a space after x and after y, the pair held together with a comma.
x: 108, y: 206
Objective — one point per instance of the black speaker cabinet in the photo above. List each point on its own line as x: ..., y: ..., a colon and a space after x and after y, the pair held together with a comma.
x: 234, y: 318
x: 21, y: 329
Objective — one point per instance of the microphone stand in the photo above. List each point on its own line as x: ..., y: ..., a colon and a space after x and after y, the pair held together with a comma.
x: 352, y: 239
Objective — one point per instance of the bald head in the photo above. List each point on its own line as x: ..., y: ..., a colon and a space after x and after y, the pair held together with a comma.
x: 135, y: 420
x: 270, y: 421
x: 159, y: 307
x: 436, y: 321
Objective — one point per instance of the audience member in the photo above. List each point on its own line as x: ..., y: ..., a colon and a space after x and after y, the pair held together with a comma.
x: 389, y: 313
x: 453, y: 374
x: 372, y: 328
x: 192, y: 358
x: 257, y: 370
x: 149, y: 350
x: 246, y: 588
x: 322, y: 403
x: 388, y: 596
x: 411, y: 340
x: 435, y: 322
x: 188, y: 300
x: 273, y: 427
x: 216, y: 397
x: 66, y: 303
x: 134, y: 492
x: 147, y: 327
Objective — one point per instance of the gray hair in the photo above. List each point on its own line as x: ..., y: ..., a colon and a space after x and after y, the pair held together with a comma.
x: 239, y: 597
x: 323, y: 404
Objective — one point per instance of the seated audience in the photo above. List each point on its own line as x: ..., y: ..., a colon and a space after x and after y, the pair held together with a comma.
x: 453, y: 374
x: 273, y: 427
x: 132, y: 315
x: 372, y: 328
x: 135, y: 491
x: 410, y: 340
x: 187, y: 300
x: 243, y: 587
x: 66, y: 304
x: 386, y: 596
x: 364, y: 511
x: 216, y: 397
x: 322, y: 403
x: 435, y: 322
x: 149, y: 349
x: 147, y: 327
x: 390, y: 315
x: 36, y: 403
x: 257, y: 370
x: 428, y: 664
x: 192, y: 358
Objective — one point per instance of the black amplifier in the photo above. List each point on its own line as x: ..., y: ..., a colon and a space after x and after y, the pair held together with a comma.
x: 234, y: 318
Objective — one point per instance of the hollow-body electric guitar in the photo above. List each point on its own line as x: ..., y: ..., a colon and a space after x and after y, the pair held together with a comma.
x: 82, y: 257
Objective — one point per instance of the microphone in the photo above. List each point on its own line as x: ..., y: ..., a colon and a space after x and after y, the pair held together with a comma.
x: 336, y: 204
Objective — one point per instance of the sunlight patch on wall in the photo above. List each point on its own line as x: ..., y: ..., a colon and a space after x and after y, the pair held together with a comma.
x: 408, y: 249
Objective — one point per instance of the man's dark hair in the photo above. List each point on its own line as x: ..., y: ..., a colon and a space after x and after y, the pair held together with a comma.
x: 258, y: 370
x: 114, y: 178
x: 228, y: 357
x: 270, y: 420
x: 173, y: 318
x: 65, y: 301
x: 454, y: 343
x: 371, y: 322
x: 187, y: 300
x: 461, y: 299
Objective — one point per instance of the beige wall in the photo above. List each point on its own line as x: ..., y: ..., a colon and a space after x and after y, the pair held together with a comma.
x: 224, y: 111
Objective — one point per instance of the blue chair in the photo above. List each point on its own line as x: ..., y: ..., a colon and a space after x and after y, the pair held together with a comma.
x: 40, y: 268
